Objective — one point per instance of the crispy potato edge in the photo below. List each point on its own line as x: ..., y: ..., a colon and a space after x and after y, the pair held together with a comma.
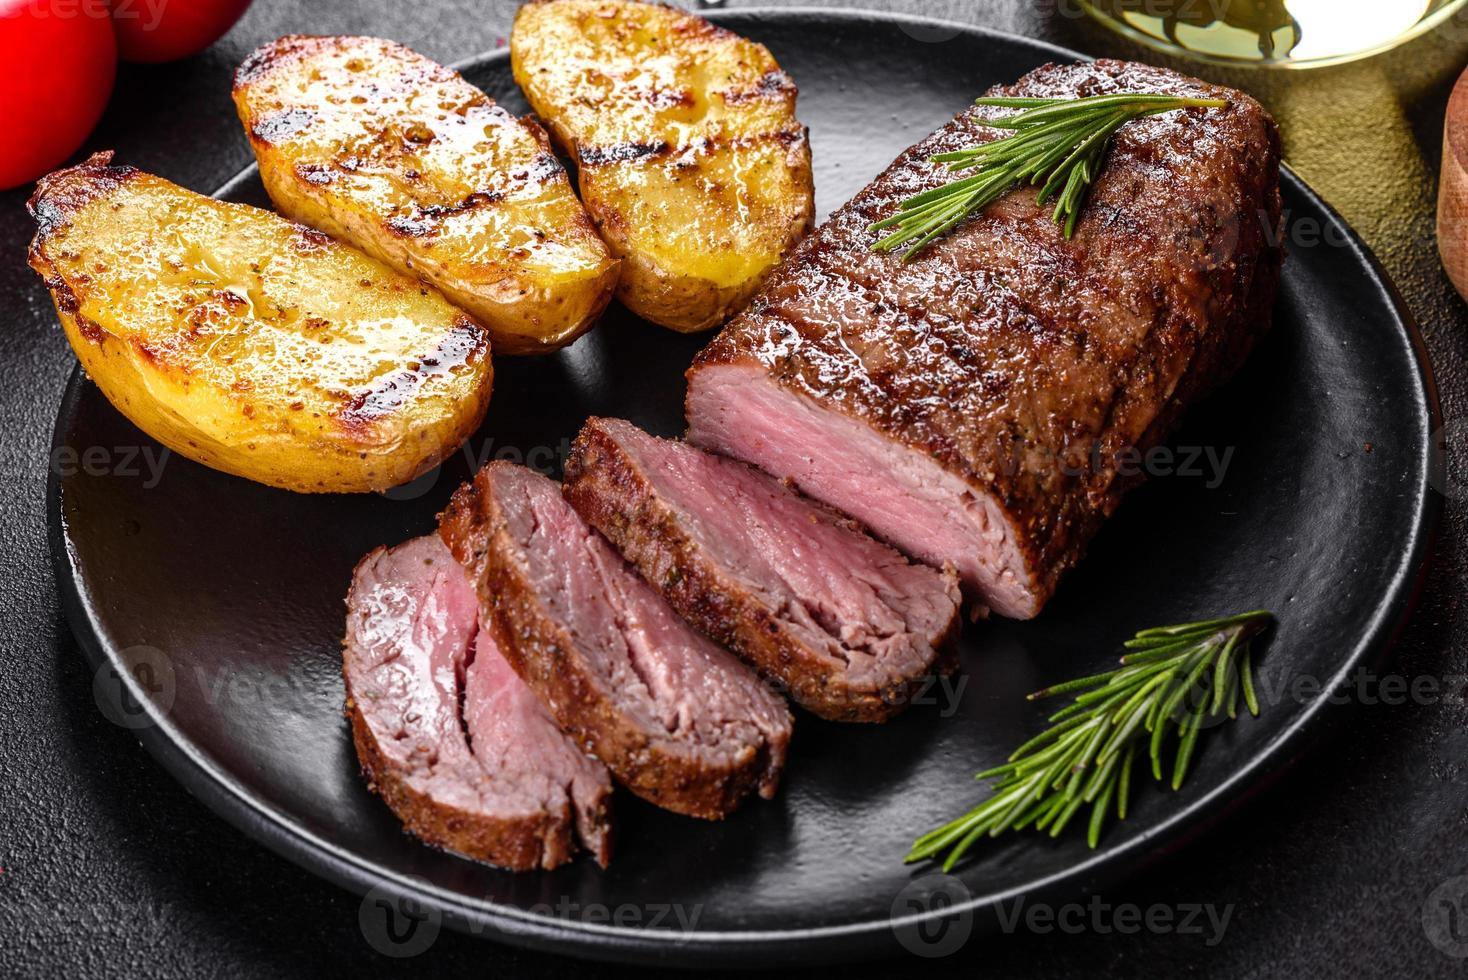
x: 353, y: 463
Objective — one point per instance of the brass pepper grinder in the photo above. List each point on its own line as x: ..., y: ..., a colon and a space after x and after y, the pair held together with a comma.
x: 1452, y: 190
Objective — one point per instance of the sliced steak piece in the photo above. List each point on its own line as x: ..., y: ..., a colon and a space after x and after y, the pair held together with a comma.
x: 517, y: 742
x: 979, y: 404
x: 515, y: 792
x: 678, y: 720
x: 849, y: 627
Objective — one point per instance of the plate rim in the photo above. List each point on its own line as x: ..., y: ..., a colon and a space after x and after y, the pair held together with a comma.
x: 285, y: 837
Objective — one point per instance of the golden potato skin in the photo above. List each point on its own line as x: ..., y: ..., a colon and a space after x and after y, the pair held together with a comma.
x: 399, y: 156
x: 689, y: 155
x: 251, y: 344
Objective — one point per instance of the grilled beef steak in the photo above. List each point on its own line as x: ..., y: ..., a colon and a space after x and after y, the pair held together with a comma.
x: 845, y: 624
x: 976, y: 405
x: 515, y: 792
x: 678, y: 720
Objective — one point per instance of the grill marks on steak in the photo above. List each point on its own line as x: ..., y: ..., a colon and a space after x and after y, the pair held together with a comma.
x: 847, y: 626
x: 500, y: 783
x: 957, y: 404
x: 678, y: 720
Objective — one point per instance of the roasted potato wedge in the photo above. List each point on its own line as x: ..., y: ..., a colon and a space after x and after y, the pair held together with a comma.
x: 399, y: 156
x: 689, y: 155
x: 251, y: 344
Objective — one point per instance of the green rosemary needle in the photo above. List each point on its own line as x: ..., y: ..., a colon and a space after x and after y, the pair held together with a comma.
x: 1172, y: 680
x: 1057, y: 143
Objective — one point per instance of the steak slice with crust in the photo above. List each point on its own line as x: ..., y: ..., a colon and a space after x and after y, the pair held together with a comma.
x: 978, y: 404
x: 678, y: 720
x: 846, y: 625
x: 514, y: 791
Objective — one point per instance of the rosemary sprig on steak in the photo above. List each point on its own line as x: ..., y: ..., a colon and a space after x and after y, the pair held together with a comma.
x: 1057, y: 143
x: 1172, y: 681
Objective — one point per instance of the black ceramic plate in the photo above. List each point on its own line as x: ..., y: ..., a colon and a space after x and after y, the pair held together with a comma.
x: 220, y: 601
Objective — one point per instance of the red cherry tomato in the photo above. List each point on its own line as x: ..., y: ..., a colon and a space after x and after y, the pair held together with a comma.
x: 149, y: 31
x: 57, y: 63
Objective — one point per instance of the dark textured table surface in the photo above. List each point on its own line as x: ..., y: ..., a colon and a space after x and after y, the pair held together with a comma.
x: 1348, y: 866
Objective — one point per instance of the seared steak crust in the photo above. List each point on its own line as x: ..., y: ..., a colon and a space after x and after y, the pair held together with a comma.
x: 845, y: 625
x: 1021, y: 363
x: 677, y: 720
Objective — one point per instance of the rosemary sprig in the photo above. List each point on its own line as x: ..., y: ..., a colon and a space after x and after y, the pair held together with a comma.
x: 1173, y: 679
x: 1057, y: 143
